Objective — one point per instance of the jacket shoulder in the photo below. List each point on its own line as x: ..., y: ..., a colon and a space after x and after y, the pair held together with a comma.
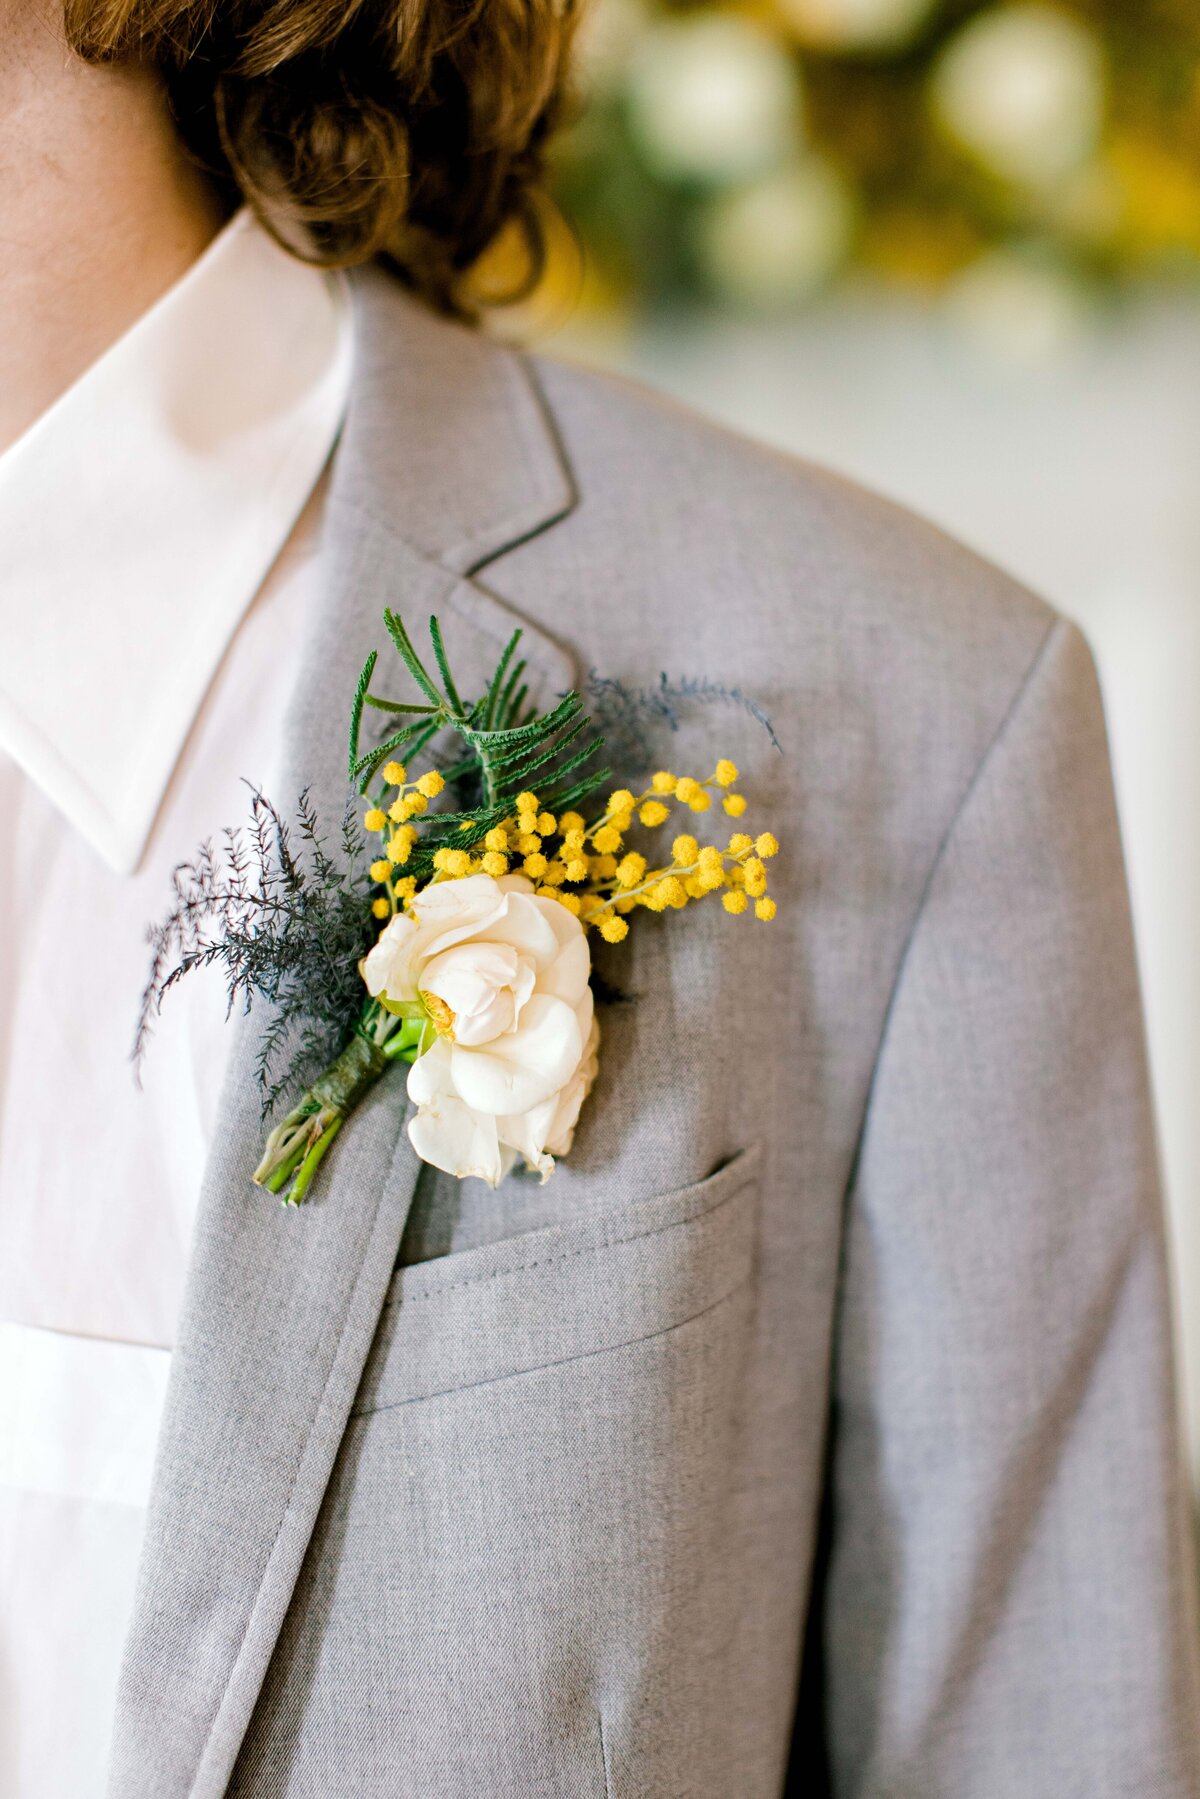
x: 811, y: 555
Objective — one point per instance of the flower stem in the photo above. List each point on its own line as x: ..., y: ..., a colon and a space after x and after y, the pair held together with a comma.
x: 296, y: 1147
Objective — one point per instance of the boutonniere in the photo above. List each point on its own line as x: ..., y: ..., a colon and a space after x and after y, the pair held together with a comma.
x: 454, y: 931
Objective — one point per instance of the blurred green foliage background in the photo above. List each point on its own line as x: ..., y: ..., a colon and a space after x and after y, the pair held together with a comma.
x: 750, y: 155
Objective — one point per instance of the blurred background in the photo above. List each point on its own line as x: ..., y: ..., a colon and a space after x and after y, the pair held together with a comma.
x: 953, y: 250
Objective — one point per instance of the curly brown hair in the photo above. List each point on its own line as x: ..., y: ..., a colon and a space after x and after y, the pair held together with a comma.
x: 407, y: 130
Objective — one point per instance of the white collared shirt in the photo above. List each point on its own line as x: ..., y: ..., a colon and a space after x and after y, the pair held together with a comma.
x: 158, y: 531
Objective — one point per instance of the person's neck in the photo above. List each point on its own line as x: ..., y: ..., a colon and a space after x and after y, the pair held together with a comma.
x: 100, y: 211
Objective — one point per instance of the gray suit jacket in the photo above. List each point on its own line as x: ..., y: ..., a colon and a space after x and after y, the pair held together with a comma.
x: 520, y: 1494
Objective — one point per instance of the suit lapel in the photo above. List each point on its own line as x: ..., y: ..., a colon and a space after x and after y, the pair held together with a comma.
x: 446, y: 459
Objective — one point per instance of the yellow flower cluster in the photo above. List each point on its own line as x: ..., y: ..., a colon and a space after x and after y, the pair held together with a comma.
x: 619, y: 879
x: 397, y: 834
x: 590, y: 869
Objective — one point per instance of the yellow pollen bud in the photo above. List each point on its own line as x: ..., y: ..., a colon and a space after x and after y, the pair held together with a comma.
x: 381, y: 908
x: 607, y: 839
x: 439, y: 858
x: 577, y: 869
x: 546, y: 823
x: 405, y: 889
x: 739, y: 843
x: 614, y: 929
x: 764, y: 909
x: 441, y: 1015
x: 380, y: 870
x: 735, y: 901
x: 535, y: 866
x: 529, y: 843
x: 700, y: 801
x: 621, y: 800
x: 571, y: 901
x: 399, y: 849
x: 431, y: 784
x: 685, y: 788
x: 416, y: 803
x: 674, y: 892
x: 710, y: 857
x: 398, y: 811
x: 497, y: 839
x: 663, y: 782
x: 457, y: 862
x: 495, y: 864
x: 394, y: 774
x: 374, y: 820
x: 555, y: 874
x: 766, y: 845
x: 726, y: 773
x: 570, y: 821
x: 604, y: 867
x: 653, y: 812
x: 573, y: 841
x: 685, y: 850
x: 734, y: 804
x: 630, y: 869
x: 527, y: 802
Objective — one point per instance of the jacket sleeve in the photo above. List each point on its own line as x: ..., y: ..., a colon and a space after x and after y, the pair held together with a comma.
x: 1008, y: 1598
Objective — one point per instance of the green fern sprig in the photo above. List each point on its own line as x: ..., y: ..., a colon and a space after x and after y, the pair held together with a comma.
x: 507, y: 745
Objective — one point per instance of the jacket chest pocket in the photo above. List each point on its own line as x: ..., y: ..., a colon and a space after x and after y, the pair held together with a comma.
x: 523, y: 1580
x: 553, y: 1296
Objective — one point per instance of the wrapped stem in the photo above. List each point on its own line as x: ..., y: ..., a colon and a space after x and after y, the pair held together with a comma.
x: 295, y: 1148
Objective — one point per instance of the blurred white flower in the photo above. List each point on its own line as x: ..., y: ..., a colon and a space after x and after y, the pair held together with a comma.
x: 1019, y: 306
x: 855, y: 24
x: 712, y: 97
x: 775, y: 241
x: 1022, y: 87
x: 608, y: 31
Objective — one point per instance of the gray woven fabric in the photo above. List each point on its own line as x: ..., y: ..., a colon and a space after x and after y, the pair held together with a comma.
x: 518, y: 1493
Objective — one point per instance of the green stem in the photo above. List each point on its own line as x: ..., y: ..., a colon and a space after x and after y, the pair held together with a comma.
x: 296, y: 1147
x: 312, y: 1162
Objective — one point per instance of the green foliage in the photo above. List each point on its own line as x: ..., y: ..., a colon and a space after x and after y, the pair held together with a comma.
x: 506, y: 747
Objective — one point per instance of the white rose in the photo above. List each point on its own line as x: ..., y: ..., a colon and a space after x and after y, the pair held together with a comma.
x: 1022, y: 87
x: 503, y: 977
x: 713, y: 97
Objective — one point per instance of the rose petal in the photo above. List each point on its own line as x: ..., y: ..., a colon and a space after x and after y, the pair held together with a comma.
x: 525, y: 1132
x: 560, y: 1133
x: 484, y: 984
x: 524, y: 924
x: 387, y: 967
x: 451, y: 911
x: 460, y: 1141
x: 430, y: 1076
x: 520, y: 1070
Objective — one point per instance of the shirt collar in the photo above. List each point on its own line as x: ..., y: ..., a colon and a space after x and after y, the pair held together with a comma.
x: 140, y: 513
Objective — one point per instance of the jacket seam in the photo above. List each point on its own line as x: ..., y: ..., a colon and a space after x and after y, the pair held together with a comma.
x: 566, y: 1255
x: 583, y: 1355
